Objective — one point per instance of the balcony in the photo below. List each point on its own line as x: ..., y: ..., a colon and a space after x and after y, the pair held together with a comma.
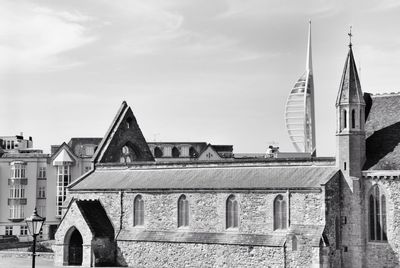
x: 17, y: 201
x: 17, y: 181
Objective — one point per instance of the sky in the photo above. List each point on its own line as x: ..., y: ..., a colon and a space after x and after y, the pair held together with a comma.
x: 218, y: 71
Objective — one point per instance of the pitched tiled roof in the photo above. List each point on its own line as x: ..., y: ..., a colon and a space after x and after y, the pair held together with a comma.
x: 96, y: 217
x: 383, y: 133
x: 232, y: 177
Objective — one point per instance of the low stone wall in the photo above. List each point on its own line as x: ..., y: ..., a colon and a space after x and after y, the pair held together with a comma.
x: 22, y: 254
x: 158, y: 254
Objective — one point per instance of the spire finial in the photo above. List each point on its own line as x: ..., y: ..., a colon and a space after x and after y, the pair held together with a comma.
x: 350, y: 35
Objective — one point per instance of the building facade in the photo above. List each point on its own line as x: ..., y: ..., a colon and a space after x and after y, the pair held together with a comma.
x: 30, y: 178
x: 300, y: 212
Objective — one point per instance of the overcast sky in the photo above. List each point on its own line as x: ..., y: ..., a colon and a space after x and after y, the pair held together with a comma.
x: 210, y: 70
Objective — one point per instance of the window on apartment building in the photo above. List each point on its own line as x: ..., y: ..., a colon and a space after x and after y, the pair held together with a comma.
x: 16, y: 191
x: 158, y: 152
x: 9, y: 230
x: 89, y: 150
x: 175, y: 152
x: 16, y: 212
x: 232, y: 212
x: 41, y: 210
x: 183, y: 211
x: 280, y: 213
x: 42, y: 173
x: 138, y: 211
x: 41, y: 192
x: 23, y: 230
x: 63, y: 179
x: 377, y: 215
x: 18, y: 170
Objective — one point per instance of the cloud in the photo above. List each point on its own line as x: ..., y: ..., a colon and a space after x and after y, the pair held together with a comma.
x: 33, y: 38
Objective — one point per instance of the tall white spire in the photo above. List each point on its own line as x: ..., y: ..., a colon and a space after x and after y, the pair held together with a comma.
x: 309, y: 55
x: 299, y: 114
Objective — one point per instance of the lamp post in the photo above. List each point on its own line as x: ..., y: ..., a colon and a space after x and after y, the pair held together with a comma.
x: 35, y: 224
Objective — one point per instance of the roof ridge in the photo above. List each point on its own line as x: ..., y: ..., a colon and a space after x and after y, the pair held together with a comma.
x: 385, y: 94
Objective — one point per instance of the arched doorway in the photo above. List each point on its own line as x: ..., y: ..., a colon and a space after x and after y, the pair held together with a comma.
x: 75, y: 248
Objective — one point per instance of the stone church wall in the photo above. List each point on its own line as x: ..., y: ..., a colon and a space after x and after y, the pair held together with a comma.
x: 207, y: 214
x: 159, y: 254
x: 385, y: 254
x: 207, y: 211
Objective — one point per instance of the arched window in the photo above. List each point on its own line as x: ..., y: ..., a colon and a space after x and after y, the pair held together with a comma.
x: 138, y: 211
x: 183, y: 211
x: 158, y: 152
x: 280, y: 213
x: 344, y: 119
x: 175, y: 152
x: 377, y: 215
x: 353, y: 118
x: 232, y: 212
x: 127, y: 154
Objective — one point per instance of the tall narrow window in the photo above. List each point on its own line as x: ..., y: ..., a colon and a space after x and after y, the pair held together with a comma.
x: 183, y: 211
x: 280, y: 213
x: 361, y: 119
x: 344, y: 119
x: 138, y: 211
x: 63, y: 179
x: 232, y: 212
x: 353, y: 118
x: 377, y: 215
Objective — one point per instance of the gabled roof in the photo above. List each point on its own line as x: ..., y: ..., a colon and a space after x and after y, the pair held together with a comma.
x: 350, y: 87
x: 63, y: 152
x: 383, y: 132
x: 122, y: 131
x: 206, y: 178
x: 96, y: 218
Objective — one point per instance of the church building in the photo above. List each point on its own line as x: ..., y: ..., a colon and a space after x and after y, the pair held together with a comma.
x: 270, y: 212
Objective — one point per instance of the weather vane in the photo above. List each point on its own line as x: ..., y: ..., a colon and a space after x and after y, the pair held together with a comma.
x: 350, y: 35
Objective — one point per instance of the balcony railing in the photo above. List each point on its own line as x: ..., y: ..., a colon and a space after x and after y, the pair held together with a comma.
x: 17, y: 201
x: 17, y: 181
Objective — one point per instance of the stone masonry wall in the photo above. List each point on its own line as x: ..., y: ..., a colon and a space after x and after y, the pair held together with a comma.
x: 207, y: 211
x: 159, y: 254
x: 385, y: 254
x: 333, y: 220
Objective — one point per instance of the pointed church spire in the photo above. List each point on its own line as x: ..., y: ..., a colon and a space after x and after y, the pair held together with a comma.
x: 309, y: 55
x: 350, y: 86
